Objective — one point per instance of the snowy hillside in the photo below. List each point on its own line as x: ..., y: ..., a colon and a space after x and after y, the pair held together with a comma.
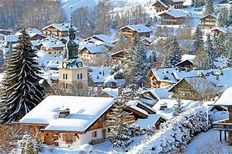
x: 71, y: 5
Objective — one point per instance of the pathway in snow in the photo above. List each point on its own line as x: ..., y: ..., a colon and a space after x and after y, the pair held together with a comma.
x: 207, y: 142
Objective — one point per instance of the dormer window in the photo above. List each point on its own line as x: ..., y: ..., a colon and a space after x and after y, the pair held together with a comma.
x: 64, y: 112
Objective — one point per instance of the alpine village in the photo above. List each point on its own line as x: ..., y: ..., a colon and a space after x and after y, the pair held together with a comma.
x: 115, y: 77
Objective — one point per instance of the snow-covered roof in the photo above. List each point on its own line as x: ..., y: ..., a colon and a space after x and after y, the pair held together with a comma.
x: 162, y: 93
x: 52, y: 43
x: 95, y: 49
x: 188, y: 57
x: 31, y: 32
x: 225, y: 98
x: 104, y: 38
x: 84, y: 111
x: 168, y: 112
x: 222, y: 29
x: 111, y: 92
x: 162, y: 3
x: 148, y: 122
x: 138, y: 28
x: 177, y: 13
x: 11, y: 38
x: 164, y: 75
x: 99, y: 74
x: 135, y: 105
x: 61, y: 26
x: 209, y: 15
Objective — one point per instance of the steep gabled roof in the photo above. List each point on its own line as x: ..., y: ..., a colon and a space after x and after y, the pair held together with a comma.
x: 138, y: 28
x: 176, y: 13
x: 95, y: 49
x: 61, y: 26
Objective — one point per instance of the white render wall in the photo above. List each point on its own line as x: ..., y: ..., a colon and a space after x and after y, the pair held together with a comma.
x: 83, y: 138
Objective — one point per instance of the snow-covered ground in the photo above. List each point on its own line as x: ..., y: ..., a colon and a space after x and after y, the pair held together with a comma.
x: 207, y: 142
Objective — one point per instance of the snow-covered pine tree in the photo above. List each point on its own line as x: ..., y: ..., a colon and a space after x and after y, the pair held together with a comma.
x: 228, y: 46
x: 209, y: 7
x: 118, y: 123
x: 178, y: 108
x: 198, y: 43
x: 138, y: 63
x: 209, y: 54
x: 175, y: 54
x: 229, y: 18
x: 222, y: 20
x: 219, y: 44
x: 22, y: 91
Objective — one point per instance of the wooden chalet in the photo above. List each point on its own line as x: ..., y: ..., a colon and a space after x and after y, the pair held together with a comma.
x: 52, y: 46
x: 94, y: 54
x: 173, y: 17
x: 161, y: 77
x: 225, y: 125
x: 57, y: 30
x: 196, y: 88
x: 162, y: 5
x: 118, y: 55
x: 185, y: 65
x: 70, y: 121
x: 208, y: 21
x: 6, y: 31
x: 220, y: 30
x: 131, y: 31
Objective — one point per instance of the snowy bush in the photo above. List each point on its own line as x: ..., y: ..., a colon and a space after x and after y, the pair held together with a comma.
x: 30, y: 145
x: 176, y: 133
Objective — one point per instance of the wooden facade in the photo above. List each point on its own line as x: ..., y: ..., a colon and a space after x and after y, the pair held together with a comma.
x: 208, y: 21
x: 184, y: 90
x: 160, y: 6
x: 51, y: 31
x: 163, y: 5
x: 156, y: 83
x: 130, y: 33
x: 185, y: 65
x: 167, y: 19
x: 194, y: 89
x: 37, y: 37
x: 97, y: 132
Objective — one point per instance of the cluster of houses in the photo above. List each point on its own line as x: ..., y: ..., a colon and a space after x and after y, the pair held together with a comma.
x: 74, y: 120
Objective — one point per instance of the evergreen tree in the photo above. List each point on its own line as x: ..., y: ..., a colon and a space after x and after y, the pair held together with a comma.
x: 228, y: 46
x: 222, y: 20
x: 178, y: 108
x: 209, y: 54
x: 209, y: 8
x: 198, y: 42
x: 174, y: 56
x: 229, y: 17
x: 138, y: 63
x: 219, y: 45
x: 22, y: 91
x: 118, y: 123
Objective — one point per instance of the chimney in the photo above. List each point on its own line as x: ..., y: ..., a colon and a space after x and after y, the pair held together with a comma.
x: 64, y: 112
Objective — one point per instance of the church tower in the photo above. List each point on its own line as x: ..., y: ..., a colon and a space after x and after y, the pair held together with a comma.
x: 72, y: 71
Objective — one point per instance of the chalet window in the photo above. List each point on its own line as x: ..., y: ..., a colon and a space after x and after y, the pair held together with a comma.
x: 63, y: 76
x: 66, y: 75
x: 108, y: 130
x: 49, y: 53
x: 69, y: 138
x: 81, y: 76
x: 78, y: 77
x: 94, y: 134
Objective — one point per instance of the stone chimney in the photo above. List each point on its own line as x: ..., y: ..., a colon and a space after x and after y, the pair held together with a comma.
x: 64, y: 112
